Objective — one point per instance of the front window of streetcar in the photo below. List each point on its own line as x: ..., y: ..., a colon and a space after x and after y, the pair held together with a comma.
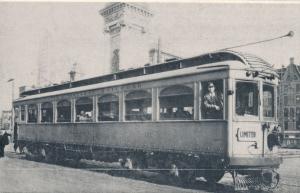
x: 247, y: 99
x: 23, y: 113
x: 32, y: 113
x: 268, y: 100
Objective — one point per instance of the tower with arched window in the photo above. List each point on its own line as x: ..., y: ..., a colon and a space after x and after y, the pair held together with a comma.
x: 127, y: 25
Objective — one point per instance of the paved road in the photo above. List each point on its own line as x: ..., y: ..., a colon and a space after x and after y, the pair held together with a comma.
x: 20, y: 175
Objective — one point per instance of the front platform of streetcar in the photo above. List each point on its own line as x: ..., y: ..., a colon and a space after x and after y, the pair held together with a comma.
x: 254, y: 134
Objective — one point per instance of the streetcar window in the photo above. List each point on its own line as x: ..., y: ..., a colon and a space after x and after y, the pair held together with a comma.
x: 32, y: 113
x: 247, y: 98
x: 84, y: 109
x: 64, y: 111
x: 108, y: 108
x: 23, y: 113
x: 268, y: 101
x: 212, y: 99
x: 138, y: 106
x: 47, y: 112
x: 176, y: 103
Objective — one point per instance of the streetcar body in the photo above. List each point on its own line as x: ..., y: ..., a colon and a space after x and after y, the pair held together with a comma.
x: 161, y: 112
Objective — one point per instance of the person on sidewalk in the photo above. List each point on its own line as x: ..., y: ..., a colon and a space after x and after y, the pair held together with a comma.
x: 4, y: 140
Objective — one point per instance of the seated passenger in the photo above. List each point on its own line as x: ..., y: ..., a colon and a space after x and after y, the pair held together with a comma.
x: 213, y: 103
x: 82, y: 117
x: 169, y: 113
x: 181, y: 114
x: 144, y: 115
x: 61, y: 118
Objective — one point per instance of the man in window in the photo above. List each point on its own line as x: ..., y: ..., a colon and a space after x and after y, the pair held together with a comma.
x: 213, y: 103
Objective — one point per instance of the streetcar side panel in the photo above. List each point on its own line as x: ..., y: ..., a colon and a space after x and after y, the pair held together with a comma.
x: 189, y: 137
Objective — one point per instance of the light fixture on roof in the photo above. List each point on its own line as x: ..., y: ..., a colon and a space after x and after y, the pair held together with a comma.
x: 255, y: 74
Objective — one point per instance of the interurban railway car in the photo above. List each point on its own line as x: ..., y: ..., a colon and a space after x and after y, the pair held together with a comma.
x: 200, y: 116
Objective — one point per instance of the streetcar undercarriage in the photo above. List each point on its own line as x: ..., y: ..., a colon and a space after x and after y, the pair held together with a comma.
x: 185, y: 167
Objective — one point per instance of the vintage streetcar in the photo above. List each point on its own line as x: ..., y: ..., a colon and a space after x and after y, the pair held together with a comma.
x: 164, y: 117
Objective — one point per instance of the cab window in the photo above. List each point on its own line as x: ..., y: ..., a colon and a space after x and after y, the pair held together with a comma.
x: 32, y: 113
x: 23, y: 113
x: 247, y: 99
x: 268, y: 100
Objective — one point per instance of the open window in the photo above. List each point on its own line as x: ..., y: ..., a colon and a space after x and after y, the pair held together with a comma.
x: 47, y: 112
x: 64, y: 111
x: 108, y: 108
x: 32, y: 113
x: 138, y: 106
x: 84, y: 109
x: 212, y: 106
x: 176, y: 103
x: 247, y: 99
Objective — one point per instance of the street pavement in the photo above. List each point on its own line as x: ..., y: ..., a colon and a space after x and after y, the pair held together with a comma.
x: 20, y: 175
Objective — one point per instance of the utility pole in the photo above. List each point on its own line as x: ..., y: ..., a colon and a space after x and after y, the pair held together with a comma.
x: 12, y: 103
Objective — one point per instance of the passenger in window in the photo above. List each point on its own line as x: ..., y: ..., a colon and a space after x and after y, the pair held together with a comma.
x: 169, y: 113
x: 182, y: 114
x: 213, y: 103
x: 82, y: 117
x: 61, y: 118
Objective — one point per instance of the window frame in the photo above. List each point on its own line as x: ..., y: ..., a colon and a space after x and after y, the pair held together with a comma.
x: 41, y: 111
x: 149, y: 91
x: 251, y: 117
x: 37, y: 113
x: 57, y: 114
x: 202, y: 91
x: 274, y: 102
x: 25, y: 114
x: 99, y: 109
x: 161, y: 89
x: 88, y: 120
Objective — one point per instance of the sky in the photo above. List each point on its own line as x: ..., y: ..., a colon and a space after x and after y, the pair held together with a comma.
x: 63, y: 33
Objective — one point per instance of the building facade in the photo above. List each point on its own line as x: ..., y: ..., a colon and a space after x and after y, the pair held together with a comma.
x: 289, y: 103
x: 131, y: 39
x: 6, y: 120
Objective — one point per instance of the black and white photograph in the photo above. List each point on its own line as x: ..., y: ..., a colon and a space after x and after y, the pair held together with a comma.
x: 149, y: 97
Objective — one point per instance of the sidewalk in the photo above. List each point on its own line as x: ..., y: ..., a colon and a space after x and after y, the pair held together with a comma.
x: 289, y: 152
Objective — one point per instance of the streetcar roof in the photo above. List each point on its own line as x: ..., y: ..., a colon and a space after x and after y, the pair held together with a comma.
x: 206, y: 60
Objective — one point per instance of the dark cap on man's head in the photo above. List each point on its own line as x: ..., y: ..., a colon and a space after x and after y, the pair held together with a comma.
x: 210, y: 84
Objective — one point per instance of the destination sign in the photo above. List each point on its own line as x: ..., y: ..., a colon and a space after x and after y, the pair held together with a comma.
x: 246, y: 135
